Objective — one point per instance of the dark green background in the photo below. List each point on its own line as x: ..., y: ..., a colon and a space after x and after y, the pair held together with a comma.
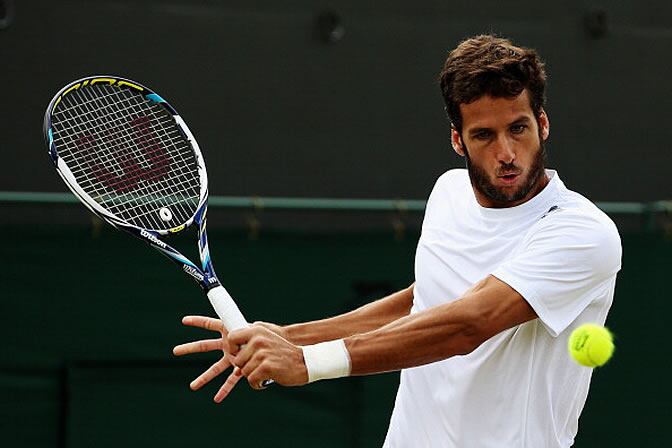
x: 89, y: 317
x: 88, y: 323
x: 277, y: 112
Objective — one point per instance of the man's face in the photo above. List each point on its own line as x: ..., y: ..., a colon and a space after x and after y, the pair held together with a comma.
x: 503, y: 145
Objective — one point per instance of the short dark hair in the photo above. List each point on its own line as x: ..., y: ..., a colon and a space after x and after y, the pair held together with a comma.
x: 489, y: 65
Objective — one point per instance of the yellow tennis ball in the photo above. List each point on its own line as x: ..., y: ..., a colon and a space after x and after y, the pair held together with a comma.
x: 591, y: 345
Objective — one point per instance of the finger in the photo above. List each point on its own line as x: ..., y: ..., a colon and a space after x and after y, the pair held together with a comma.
x: 207, y: 323
x: 206, y: 345
x: 228, y: 385
x: 213, y: 372
x: 259, y: 377
x: 242, y: 357
x: 238, y: 338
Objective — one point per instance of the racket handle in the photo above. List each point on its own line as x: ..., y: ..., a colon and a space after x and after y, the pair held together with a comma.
x: 230, y: 314
x: 226, y: 309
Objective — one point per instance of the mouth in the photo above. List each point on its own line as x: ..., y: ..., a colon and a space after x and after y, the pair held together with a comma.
x: 509, y: 178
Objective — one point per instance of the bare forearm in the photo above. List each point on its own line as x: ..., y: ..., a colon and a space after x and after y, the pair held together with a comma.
x: 413, y: 340
x: 438, y: 333
x: 364, y: 319
x: 379, y: 337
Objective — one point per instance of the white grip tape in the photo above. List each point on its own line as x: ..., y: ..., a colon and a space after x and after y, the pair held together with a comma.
x: 326, y: 360
x: 226, y: 309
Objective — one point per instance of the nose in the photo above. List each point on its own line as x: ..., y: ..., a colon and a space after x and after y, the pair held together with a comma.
x: 504, y: 150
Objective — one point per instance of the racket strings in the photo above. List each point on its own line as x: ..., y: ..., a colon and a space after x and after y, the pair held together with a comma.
x: 132, y: 171
x: 129, y: 155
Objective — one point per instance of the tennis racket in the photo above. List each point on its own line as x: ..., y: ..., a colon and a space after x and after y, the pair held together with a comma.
x: 131, y: 160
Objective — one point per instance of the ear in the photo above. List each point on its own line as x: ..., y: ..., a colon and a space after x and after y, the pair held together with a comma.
x: 544, y: 125
x: 456, y: 141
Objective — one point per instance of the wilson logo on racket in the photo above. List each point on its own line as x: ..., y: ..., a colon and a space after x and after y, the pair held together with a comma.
x: 152, y: 238
x: 193, y: 272
x: 129, y: 165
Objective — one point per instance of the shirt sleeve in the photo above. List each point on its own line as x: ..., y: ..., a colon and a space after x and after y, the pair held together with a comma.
x: 565, y: 263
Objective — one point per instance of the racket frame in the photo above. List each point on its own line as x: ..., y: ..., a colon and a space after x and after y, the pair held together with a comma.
x: 203, y: 275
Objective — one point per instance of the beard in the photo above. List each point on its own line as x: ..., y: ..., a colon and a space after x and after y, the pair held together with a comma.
x: 481, y: 181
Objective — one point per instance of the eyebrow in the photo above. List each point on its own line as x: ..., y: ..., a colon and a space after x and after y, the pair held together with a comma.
x: 521, y: 120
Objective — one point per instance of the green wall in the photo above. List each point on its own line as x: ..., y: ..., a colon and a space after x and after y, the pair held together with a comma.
x: 278, y: 112
x: 89, y: 319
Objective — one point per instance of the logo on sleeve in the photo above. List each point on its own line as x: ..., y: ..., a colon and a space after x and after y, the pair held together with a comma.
x: 550, y: 210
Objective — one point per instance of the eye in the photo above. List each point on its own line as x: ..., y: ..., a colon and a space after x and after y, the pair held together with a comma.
x: 518, y: 128
x: 482, y: 135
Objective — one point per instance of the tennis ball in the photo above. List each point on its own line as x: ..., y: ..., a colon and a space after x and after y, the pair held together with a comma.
x: 591, y: 345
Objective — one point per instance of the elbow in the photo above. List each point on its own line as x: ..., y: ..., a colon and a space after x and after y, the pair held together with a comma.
x: 473, y: 333
x: 470, y: 340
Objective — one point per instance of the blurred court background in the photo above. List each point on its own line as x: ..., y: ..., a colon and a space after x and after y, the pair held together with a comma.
x: 304, y: 100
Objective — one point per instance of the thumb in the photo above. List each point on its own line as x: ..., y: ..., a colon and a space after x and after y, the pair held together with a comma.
x: 238, y: 338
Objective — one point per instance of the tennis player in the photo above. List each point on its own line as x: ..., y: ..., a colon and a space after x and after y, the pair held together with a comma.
x: 508, y: 263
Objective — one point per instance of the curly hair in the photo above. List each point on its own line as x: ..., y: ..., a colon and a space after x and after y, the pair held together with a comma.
x: 489, y: 65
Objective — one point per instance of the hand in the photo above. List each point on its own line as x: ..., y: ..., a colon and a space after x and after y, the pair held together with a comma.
x: 262, y: 354
x: 208, y: 345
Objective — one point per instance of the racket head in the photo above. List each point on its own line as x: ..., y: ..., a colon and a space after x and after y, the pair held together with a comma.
x: 126, y: 153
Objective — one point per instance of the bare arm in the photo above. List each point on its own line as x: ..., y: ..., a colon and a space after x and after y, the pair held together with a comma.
x: 363, y: 319
x: 366, y: 318
x: 455, y: 328
x: 488, y: 308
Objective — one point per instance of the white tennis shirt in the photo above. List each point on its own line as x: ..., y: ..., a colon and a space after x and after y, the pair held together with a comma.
x: 520, y: 388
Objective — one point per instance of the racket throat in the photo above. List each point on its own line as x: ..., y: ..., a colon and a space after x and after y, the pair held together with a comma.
x: 209, y: 282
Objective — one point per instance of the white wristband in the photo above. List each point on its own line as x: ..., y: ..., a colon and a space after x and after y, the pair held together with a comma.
x: 326, y: 360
